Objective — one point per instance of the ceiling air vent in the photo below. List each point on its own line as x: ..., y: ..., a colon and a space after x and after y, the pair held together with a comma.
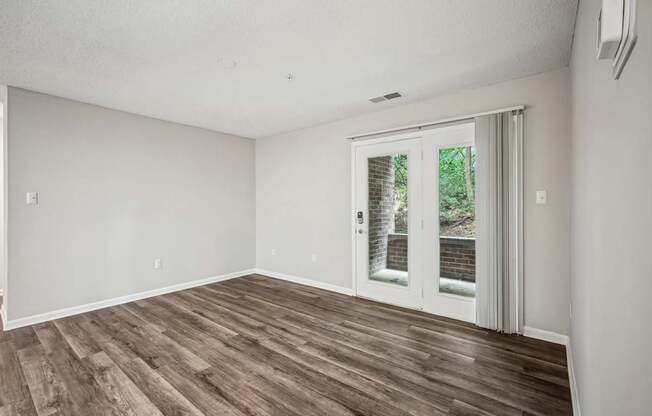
x: 385, y: 97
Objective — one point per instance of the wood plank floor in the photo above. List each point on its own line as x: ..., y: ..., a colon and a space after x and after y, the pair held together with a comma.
x: 260, y: 346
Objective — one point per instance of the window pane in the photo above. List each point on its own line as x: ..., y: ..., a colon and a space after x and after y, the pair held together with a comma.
x: 457, y: 221
x: 388, y: 219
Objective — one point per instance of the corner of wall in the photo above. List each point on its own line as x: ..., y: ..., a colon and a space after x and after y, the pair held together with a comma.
x: 572, y: 382
x: 4, y: 134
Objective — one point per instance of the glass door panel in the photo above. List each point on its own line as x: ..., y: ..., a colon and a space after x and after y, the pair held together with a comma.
x: 449, y: 221
x: 457, y: 220
x: 387, y: 222
x: 388, y: 219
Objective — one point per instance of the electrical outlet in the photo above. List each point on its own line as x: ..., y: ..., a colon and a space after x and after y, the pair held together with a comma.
x: 314, y: 258
x: 273, y: 252
x: 157, y: 263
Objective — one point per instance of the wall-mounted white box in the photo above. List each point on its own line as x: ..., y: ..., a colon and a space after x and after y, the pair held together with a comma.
x: 617, y: 32
x: 610, y: 28
x: 31, y: 198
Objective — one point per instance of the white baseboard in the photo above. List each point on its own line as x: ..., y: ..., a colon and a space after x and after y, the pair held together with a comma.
x: 61, y: 313
x: 564, y: 340
x: 575, y: 398
x: 75, y: 310
x: 545, y: 335
x: 307, y: 282
x: 3, y: 313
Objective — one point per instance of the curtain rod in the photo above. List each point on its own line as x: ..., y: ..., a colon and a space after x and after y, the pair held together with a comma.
x: 433, y: 123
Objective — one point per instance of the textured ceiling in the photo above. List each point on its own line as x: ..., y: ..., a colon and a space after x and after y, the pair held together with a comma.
x: 173, y: 59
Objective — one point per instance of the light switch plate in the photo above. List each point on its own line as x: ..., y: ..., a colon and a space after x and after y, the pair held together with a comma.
x: 31, y: 198
x: 542, y: 197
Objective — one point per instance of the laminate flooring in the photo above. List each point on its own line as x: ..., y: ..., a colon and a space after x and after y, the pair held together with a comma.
x: 260, y: 346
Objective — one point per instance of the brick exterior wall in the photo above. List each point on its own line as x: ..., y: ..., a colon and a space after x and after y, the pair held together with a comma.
x: 381, y: 210
x: 397, y: 252
x: 457, y: 260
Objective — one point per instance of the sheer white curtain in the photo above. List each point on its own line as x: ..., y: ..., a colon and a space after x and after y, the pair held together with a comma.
x: 499, y: 247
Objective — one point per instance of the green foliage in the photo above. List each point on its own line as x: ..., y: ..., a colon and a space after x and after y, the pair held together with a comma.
x: 456, y: 195
x: 456, y: 201
x: 400, y: 193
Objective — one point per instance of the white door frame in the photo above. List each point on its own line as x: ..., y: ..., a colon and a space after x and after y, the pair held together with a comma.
x: 461, y: 308
x: 450, y: 305
x: 354, y: 146
x: 410, y: 296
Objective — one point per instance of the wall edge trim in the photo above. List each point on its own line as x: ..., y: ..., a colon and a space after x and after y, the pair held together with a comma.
x: 563, y: 340
x: 572, y: 381
x: 75, y: 310
x: 544, y: 335
x: 306, y: 282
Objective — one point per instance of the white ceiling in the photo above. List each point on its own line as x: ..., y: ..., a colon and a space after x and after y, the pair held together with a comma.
x: 173, y: 59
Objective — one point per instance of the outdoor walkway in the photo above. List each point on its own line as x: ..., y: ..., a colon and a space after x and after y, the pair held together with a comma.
x: 451, y: 286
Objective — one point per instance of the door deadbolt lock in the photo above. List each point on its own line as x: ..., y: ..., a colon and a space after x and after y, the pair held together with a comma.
x: 360, y: 217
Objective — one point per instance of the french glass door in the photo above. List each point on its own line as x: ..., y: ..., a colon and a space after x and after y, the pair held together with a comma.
x: 387, y: 222
x: 415, y: 221
x: 449, y: 206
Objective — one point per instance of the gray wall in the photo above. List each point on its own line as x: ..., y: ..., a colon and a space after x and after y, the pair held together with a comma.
x: 303, y: 190
x: 611, y: 333
x: 3, y: 202
x: 117, y: 191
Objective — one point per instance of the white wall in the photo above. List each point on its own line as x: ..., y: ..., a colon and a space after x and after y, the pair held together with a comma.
x: 611, y: 333
x: 303, y: 190
x: 3, y: 177
x: 2, y: 198
x: 117, y: 191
